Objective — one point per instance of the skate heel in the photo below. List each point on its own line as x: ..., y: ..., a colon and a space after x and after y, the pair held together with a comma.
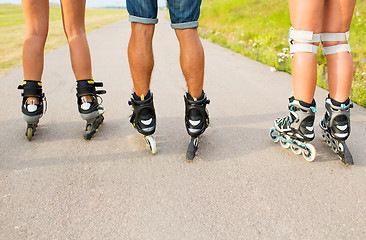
x: 92, y: 111
x: 336, y: 128
x: 32, y: 112
x: 143, y: 118
x: 296, y: 130
x: 197, y: 120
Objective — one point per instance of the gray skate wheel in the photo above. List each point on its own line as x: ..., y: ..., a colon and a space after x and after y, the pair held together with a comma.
x: 284, y: 141
x: 150, y: 141
x: 295, y: 149
x: 309, y: 153
x: 274, y: 135
x: 30, y: 134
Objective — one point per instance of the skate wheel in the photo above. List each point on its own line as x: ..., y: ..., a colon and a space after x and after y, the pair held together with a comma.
x: 309, y: 153
x: 284, y: 141
x: 324, y: 136
x: 150, y: 141
x: 335, y: 147
x: 192, y: 148
x: 340, y: 147
x: 30, y: 133
x: 295, y: 149
x: 274, y: 136
x: 328, y: 138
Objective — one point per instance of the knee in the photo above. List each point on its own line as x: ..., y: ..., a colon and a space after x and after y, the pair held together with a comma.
x: 73, y: 31
x: 142, y: 31
x: 332, y: 43
x: 37, y: 33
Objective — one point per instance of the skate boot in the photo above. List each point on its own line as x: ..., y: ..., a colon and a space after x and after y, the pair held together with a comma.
x: 297, y: 129
x: 336, y: 128
x: 32, y: 111
x: 197, y: 120
x: 92, y: 111
x: 143, y: 117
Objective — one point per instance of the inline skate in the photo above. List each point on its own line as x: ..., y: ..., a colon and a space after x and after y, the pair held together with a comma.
x: 92, y: 111
x: 143, y: 117
x: 297, y: 129
x: 197, y: 120
x: 32, y: 109
x: 336, y: 128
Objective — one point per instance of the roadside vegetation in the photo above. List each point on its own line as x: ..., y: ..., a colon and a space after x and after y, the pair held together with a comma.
x: 258, y: 29
x: 12, y: 28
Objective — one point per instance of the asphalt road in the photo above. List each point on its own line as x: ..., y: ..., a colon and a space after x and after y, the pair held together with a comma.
x: 241, y: 185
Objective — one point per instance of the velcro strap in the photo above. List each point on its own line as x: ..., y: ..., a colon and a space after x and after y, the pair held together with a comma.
x: 101, y: 92
x: 98, y: 84
x: 32, y: 92
x: 85, y: 90
x: 336, y: 49
x: 336, y: 37
x: 303, y: 47
x: 303, y: 36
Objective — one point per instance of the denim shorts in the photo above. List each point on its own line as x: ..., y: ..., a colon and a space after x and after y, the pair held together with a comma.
x: 183, y: 13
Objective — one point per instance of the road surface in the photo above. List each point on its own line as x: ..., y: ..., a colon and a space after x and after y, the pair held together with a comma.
x: 241, y: 185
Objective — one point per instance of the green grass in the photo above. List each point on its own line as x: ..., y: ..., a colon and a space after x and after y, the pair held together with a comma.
x: 258, y: 29
x: 12, y: 28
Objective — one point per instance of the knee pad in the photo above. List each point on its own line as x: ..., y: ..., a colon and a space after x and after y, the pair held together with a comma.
x: 335, y: 37
x: 305, y: 38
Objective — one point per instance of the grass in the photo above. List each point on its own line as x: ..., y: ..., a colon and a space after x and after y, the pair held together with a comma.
x: 12, y: 28
x: 258, y: 29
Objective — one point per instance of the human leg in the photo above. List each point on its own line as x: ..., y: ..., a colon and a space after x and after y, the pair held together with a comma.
x: 337, y: 19
x: 90, y: 108
x: 36, y: 14
x: 336, y: 123
x: 296, y: 129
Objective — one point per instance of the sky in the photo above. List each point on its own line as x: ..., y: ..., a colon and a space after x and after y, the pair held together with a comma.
x: 92, y: 3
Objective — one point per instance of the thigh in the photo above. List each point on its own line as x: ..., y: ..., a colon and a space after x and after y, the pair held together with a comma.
x: 73, y: 14
x: 306, y: 14
x: 338, y: 15
x: 36, y: 14
x: 184, y: 11
x: 143, y: 8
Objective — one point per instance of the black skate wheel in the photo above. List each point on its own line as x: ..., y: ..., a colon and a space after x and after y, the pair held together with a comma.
x: 192, y: 148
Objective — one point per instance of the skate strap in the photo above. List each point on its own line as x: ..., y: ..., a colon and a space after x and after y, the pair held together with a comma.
x: 31, y: 89
x: 305, y: 38
x: 87, y: 87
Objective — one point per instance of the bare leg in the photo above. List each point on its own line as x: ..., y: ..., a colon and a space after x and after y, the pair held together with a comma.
x: 141, y: 57
x: 337, y: 19
x: 307, y: 16
x: 73, y: 13
x: 192, y: 60
x: 36, y: 13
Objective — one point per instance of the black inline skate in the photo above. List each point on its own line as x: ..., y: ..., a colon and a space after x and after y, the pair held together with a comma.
x: 336, y: 127
x: 32, y: 111
x: 197, y: 120
x: 143, y: 117
x: 92, y: 111
x: 297, y: 129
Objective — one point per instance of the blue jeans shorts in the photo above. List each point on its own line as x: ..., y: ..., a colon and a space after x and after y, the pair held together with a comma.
x: 183, y: 13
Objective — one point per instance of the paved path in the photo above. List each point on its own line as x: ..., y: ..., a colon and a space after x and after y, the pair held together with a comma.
x: 241, y: 186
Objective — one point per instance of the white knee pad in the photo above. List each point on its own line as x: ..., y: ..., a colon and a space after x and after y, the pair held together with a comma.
x: 335, y: 37
x: 304, y: 37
